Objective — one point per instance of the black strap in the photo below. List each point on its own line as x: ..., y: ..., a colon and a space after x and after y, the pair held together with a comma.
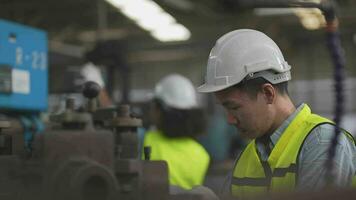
x: 267, y: 144
x: 250, y: 181
x: 281, y: 172
x: 268, y: 172
x: 264, y: 181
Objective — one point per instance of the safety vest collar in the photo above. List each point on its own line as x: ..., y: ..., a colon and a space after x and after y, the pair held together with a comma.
x: 286, y: 137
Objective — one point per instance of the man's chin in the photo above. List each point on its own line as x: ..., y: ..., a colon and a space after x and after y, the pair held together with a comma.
x: 247, y: 135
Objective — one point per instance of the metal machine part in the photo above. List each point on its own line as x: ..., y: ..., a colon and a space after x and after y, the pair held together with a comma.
x: 138, y: 179
x: 5, y: 79
x: 91, y: 90
x: 74, y: 167
x: 11, y: 137
x: 73, y: 160
x: 125, y: 129
x: 71, y: 119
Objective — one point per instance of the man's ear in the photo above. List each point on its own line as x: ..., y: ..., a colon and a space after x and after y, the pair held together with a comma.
x: 269, y: 93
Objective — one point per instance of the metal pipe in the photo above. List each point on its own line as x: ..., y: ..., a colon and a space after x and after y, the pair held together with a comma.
x: 278, y: 4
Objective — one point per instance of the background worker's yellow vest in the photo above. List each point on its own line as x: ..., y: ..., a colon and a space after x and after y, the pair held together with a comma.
x: 187, y: 160
x: 253, y: 177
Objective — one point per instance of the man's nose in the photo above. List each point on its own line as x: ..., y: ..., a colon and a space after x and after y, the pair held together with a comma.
x: 231, y: 119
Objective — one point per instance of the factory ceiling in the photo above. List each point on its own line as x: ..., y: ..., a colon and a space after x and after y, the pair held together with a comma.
x: 74, y: 26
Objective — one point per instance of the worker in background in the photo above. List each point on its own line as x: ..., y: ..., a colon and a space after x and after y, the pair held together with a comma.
x: 248, y: 75
x: 178, y: 121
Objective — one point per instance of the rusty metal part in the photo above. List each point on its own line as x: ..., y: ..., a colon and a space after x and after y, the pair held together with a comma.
x: 78, y: 164
x: 142, y: 179
x: 11, y: 137
x: 126, y: 145
x: 91, y: 90
x: 4, y: 124
x: 119, y: 117
x: 70, y: 104
x: 71, y: 117
x: 116, y: 117
x: 81, y: 179
x: 9, y: 184
x: 129, y: 166
x: 11, y: 126
x: 59, y: 145
x: 73, y: 161
x: 92, y: 105
x: 124, y: 122
x: 123, y: 111
x: 155, y: 183
x: 103, y: 114
x: 20, y: 178
x: 125, y: 128
x: 5, y: 140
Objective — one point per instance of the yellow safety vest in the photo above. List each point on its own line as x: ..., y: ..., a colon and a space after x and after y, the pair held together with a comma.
x: 252, y: 177
x: 187, y: 160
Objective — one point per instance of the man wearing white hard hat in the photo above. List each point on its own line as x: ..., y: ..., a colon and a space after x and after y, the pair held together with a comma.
x: 177, y: 121
x: 289, y: 145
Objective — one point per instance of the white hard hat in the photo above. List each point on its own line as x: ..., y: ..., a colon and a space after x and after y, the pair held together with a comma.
x: 90, y: 72
x: 176, y: 91
x: 241, y: 54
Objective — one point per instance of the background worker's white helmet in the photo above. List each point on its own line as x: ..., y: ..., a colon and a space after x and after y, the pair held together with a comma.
x: 241, y: 54
x: 176, y: 91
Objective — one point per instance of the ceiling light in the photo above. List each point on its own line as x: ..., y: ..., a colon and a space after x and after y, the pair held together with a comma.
x: 273, y: 11
x: 174, y: 32
x: 150, y: 16
x: 310, y: 18
x: 159, y: 20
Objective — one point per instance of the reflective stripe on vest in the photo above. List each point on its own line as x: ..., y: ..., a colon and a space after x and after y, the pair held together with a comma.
x: 252, y: 176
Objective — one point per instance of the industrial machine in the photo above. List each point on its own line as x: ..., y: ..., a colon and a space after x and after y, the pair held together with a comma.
x: 88, y: 154
x: 23, y: 85
x: 94, y: 155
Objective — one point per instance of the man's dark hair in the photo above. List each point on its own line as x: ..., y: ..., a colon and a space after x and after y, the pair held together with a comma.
x: 253, y: 86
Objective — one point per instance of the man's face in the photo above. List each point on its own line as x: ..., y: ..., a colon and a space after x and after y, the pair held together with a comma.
x: 251, y: 116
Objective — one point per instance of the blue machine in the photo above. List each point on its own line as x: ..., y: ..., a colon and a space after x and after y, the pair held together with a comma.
x: 23, y: 68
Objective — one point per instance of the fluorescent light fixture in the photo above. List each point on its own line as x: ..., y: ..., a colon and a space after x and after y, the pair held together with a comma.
x: 273, y: 11
x: 171, y: 33
x: 310, y: 18
x: 150, y: 16
x: 154, y: 22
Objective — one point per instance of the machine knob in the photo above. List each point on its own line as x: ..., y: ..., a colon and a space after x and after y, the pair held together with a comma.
x: 91, y: 89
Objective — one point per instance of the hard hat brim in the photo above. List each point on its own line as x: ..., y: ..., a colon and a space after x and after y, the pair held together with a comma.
x: 206, y: 88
